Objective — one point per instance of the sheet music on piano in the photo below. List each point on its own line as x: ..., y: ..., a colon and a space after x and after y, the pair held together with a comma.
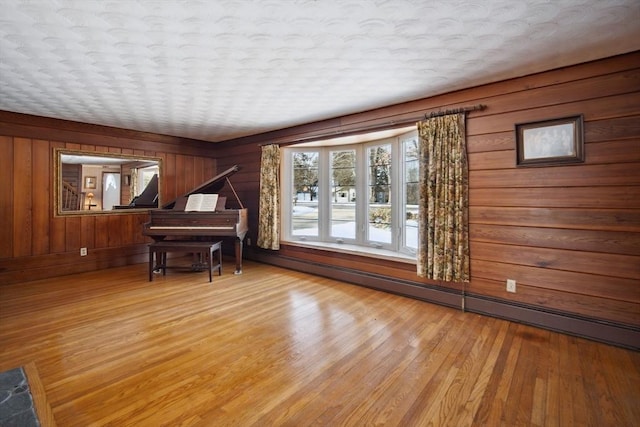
x: 201, y: 203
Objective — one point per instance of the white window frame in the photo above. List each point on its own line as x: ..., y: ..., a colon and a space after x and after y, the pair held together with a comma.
x: 397, y: 197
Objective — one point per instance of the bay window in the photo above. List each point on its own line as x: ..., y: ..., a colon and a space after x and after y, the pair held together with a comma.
x: 363, y: 194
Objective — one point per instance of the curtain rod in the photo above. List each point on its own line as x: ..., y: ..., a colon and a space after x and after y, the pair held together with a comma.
x: 433, y: 114
x: 353, y: 131
x: 388, y: 125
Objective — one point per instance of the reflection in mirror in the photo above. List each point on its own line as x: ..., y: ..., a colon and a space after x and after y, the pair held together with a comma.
x: 88, y: 182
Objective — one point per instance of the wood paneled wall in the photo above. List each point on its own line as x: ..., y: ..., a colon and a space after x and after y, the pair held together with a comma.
x: 569, y: 235
x: 34, y: 243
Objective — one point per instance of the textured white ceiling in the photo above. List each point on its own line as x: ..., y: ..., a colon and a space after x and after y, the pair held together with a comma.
x: 220, y: 69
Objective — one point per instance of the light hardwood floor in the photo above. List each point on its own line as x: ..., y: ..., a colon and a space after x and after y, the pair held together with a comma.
x: 273, y: 347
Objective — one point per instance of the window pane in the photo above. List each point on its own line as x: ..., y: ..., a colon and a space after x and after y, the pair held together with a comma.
x: 304, y: 215
x: 379, y: 216
x: 343, y: 194
x: 411, y: 188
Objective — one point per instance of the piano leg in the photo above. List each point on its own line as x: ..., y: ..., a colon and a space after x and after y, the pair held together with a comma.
x: 238, y: 256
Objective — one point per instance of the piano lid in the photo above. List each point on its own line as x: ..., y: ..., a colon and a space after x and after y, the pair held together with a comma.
x: 147, y: 199
x: 212, y: 186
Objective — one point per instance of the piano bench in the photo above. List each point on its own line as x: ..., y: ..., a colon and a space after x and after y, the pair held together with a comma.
x: 205, y: 249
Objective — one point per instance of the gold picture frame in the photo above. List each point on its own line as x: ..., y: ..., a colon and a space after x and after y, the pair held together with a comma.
x: 90, y: 182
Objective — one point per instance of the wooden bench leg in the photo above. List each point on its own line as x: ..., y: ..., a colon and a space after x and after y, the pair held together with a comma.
x: 220, y: 260
x: 151, y: 264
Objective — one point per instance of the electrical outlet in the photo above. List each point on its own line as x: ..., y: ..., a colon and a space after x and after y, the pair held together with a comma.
x: 511, y: 285
x: 248, y: 242
x: 83, y: 251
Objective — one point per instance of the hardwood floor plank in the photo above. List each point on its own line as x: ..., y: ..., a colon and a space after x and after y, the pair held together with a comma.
x: 551, y: 377
x: 487, y: 358
x: 40, y: 403
x: 542, y: 362
x: 581, y: 414
x: 495, y: 398
x: 274, y: 347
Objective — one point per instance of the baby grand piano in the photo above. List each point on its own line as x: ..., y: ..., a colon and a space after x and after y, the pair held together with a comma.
x: 172, y: 222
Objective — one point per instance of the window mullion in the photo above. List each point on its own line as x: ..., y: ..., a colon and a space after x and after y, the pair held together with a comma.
x: 396, y: 199
x: 361, y: 195
x: 324, y: 196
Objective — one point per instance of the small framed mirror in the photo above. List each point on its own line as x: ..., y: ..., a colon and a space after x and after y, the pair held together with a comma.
x: 89, y: 182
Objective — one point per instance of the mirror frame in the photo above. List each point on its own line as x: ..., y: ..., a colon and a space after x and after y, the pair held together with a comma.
x: 57, y: 181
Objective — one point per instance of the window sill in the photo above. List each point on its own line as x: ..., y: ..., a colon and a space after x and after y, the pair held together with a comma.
x: 355, y: 250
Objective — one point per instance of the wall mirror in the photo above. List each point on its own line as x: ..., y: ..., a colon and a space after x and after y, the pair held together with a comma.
x: 89, y: 182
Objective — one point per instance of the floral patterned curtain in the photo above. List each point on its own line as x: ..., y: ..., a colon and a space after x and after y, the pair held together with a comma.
x: 269, y: 215
x: 133, y: 185
x: 443, y: 252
